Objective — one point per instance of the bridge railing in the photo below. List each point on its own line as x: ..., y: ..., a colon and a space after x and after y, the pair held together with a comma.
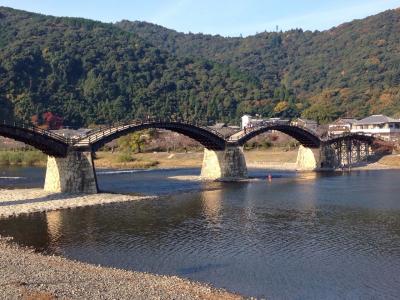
x: 37, y: 130
x: 103, y: 131
x: 264, y: 124
x: 349, y: 134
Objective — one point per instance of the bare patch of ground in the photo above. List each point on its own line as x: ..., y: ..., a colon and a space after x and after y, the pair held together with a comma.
x: 390, y: 160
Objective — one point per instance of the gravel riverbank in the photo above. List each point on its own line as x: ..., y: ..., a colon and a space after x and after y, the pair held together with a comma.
x: 29, y: 275
x: 22, y: 201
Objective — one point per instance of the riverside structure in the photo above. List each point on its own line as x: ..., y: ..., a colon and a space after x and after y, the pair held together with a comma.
x: 70, y: 167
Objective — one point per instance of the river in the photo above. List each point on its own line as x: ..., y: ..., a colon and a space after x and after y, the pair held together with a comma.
x: 300, y: 236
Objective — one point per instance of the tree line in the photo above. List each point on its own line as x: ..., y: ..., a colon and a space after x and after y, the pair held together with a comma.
x: 85, y: 72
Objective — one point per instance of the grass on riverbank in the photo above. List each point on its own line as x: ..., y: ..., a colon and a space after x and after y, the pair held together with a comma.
x: 22, y: 158
x: 273, y: 156
x: 148, y: 160
x: 186, y: 160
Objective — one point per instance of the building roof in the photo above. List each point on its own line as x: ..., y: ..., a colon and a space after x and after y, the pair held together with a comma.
x: 226, y: 130
x: 307, y: 121
x: 72, y: 132
x: 376, y: 119
x: 218, y: 125
x: 345, y: 121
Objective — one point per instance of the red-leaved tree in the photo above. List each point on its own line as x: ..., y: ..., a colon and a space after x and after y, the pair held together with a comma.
x: 52, y: 121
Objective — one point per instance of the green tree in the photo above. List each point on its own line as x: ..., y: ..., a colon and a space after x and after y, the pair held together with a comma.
x: 133, y: 142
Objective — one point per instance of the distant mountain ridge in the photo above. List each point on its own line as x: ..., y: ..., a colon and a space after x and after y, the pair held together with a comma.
x: 352, y: 69
x: 91, y: 72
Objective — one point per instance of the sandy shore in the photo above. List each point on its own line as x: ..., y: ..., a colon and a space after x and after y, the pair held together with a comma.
x: 23, y: 201
x: 29, y: 275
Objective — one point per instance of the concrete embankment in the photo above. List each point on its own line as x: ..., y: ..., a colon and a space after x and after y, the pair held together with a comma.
x: 29, y: 275
x: 23, y: 201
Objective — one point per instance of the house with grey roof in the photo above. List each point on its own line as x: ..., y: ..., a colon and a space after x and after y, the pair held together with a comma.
x: 341, y: 126
x: 378, y: 125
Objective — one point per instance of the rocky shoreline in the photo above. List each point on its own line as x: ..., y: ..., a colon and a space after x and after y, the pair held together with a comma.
x: 24, y: 201
x: 29, y: 275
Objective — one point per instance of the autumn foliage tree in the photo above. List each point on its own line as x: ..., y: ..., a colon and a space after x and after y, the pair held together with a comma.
x: 52, y: 121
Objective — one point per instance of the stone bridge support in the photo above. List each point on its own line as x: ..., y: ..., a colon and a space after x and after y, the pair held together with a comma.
x: 315, y: 159
x: 329, y: 157
x: 71, y: 174
x: 228, y: 164
x: 308, y: 159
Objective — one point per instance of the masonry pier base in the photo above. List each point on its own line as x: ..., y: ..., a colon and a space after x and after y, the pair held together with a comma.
x: 228, y: 164
x: 308, y: 159
x: 71, y: 174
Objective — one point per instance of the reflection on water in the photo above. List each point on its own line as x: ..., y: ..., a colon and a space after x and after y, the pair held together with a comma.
x: 212, y: 205
x: 300, y: 236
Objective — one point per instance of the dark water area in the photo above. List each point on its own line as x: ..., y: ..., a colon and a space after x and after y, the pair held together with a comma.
x: 21, y: 177
x: 301, y: 236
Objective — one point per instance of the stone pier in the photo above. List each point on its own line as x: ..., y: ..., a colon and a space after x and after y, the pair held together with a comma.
x: 315, y: 159
x: 228, y: 164
x: 72, y: 174
x: 308, y: 159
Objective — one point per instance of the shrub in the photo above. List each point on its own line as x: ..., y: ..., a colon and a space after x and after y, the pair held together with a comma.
x: 125, y: 157
x: 28, y: 158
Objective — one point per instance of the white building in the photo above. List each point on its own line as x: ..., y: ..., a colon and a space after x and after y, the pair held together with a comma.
x: 246, y: 119
x: 378, y: 125
x: 340, y: 126
x: 249, y: 121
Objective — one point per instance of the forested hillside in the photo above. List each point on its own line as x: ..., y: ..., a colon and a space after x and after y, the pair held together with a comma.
x: 87, y: 72
x: 353, y: 69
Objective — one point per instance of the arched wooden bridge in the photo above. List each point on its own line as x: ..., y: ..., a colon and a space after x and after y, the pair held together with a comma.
x: 56, y: 145
x: 70, y: 166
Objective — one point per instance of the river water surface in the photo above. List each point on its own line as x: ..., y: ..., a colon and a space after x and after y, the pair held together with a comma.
x: 300, y: 236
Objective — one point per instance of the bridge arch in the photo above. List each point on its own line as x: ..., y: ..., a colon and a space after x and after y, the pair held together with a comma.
x: 76, y: 172
x: 352, y: 137
x: 207, y: 137
x: 306, y: 137
x: 43, y: 140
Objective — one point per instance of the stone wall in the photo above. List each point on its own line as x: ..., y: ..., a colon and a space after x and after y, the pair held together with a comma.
x: 72, y: 174
x: 229, y: 164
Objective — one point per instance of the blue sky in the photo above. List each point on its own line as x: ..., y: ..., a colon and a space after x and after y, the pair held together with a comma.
x: 224, y: 17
